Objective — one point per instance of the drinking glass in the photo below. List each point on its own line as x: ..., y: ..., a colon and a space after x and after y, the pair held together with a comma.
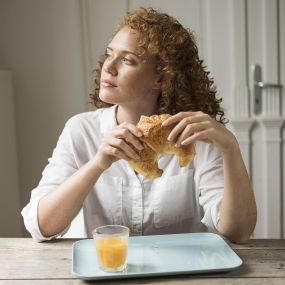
x: 111, y: 242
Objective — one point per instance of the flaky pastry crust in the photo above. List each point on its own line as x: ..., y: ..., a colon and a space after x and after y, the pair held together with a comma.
x: 155, y: 142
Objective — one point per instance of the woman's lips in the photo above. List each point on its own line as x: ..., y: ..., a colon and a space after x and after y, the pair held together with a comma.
x: 107, y: 83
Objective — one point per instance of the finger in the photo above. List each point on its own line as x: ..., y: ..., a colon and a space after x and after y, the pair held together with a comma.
x: 125, y: 147
x: 178, y: 129
x: 175, y: 118
x: 133, y: 129
x: 134, y: 141
x: 129, y: 136
x: 199, y: 136
x: 193, y: 117
x: 198, y: 117
x: 117, y: 153
x: 190, y: 129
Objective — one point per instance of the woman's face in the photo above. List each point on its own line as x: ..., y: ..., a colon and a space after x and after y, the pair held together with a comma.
x: 128, y: 78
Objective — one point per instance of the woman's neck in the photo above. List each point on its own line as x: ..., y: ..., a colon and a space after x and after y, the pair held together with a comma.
x: 132, y: 116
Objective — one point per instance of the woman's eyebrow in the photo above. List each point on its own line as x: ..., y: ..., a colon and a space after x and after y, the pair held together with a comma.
x: 124, y: 51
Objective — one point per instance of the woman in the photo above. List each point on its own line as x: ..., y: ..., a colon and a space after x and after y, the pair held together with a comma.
x: 151, y: 66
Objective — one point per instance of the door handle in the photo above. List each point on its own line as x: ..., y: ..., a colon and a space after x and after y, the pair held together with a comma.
x: 258, y: 85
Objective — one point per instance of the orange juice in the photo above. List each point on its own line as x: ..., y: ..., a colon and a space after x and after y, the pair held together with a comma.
x: 111, y: 251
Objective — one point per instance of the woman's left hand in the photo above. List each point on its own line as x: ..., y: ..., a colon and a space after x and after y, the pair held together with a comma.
x: 198, y: 126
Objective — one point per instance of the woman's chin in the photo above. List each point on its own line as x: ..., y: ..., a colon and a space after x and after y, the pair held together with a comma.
x: 107, y: 99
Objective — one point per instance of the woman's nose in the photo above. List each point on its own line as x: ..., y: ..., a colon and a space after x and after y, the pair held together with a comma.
x: 110, y: 67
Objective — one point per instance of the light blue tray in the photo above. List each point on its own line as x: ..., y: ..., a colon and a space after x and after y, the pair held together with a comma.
x: 160, y: 255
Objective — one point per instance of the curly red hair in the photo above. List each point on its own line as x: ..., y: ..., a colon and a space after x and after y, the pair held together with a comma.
x: 186, y: 85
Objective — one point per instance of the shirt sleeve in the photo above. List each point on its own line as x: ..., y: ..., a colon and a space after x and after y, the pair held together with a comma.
x: 209, y: 180
x: 60, y: 166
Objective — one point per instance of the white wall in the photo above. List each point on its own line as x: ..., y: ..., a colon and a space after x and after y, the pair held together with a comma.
x: 41, y: 43
x: 9, y: 183
x: 99, y: 19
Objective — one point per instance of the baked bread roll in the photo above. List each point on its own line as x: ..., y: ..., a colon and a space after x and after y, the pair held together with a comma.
x: 155, y: 142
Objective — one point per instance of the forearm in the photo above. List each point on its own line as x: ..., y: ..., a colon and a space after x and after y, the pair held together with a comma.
x: 57, y: 209
x: 238, y: 208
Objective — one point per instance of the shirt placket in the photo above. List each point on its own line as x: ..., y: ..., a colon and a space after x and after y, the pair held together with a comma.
x: 138, y: 208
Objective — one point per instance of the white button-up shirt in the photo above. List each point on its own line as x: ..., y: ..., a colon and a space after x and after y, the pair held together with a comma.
x: 183, y: 199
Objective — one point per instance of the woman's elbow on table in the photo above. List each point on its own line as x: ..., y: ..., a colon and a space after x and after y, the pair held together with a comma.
x: 238, y: 234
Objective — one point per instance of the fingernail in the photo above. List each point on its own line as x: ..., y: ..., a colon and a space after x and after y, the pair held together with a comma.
x: 140, y: 134
x: 177, y: 144
x: 184, y: 143
x: 169, y: 138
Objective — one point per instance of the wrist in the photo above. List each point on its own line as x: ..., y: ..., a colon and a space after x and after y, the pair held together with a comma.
x: 232, y: 149
x: 97, y: 165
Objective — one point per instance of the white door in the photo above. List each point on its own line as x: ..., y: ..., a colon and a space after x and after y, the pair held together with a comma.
x: 266, y: 60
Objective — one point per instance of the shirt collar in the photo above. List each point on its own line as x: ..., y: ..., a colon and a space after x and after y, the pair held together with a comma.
x: 108, y: 119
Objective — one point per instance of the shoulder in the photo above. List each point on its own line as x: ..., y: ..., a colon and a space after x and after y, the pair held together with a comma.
x: 90, y: 125
x: 97, y: 120
x: 86, y: 118
x: 81, y: 126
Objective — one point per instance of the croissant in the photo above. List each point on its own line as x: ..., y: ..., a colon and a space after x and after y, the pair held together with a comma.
x: 155, y: 142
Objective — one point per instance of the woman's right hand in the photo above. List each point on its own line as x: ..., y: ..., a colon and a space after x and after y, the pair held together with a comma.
x: 121, y: 142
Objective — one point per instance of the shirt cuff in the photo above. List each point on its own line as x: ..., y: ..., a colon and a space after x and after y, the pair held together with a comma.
x: 30, y: 215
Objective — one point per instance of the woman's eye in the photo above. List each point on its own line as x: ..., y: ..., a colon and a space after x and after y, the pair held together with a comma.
x: 107, y: 55
x: 127, y: 60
